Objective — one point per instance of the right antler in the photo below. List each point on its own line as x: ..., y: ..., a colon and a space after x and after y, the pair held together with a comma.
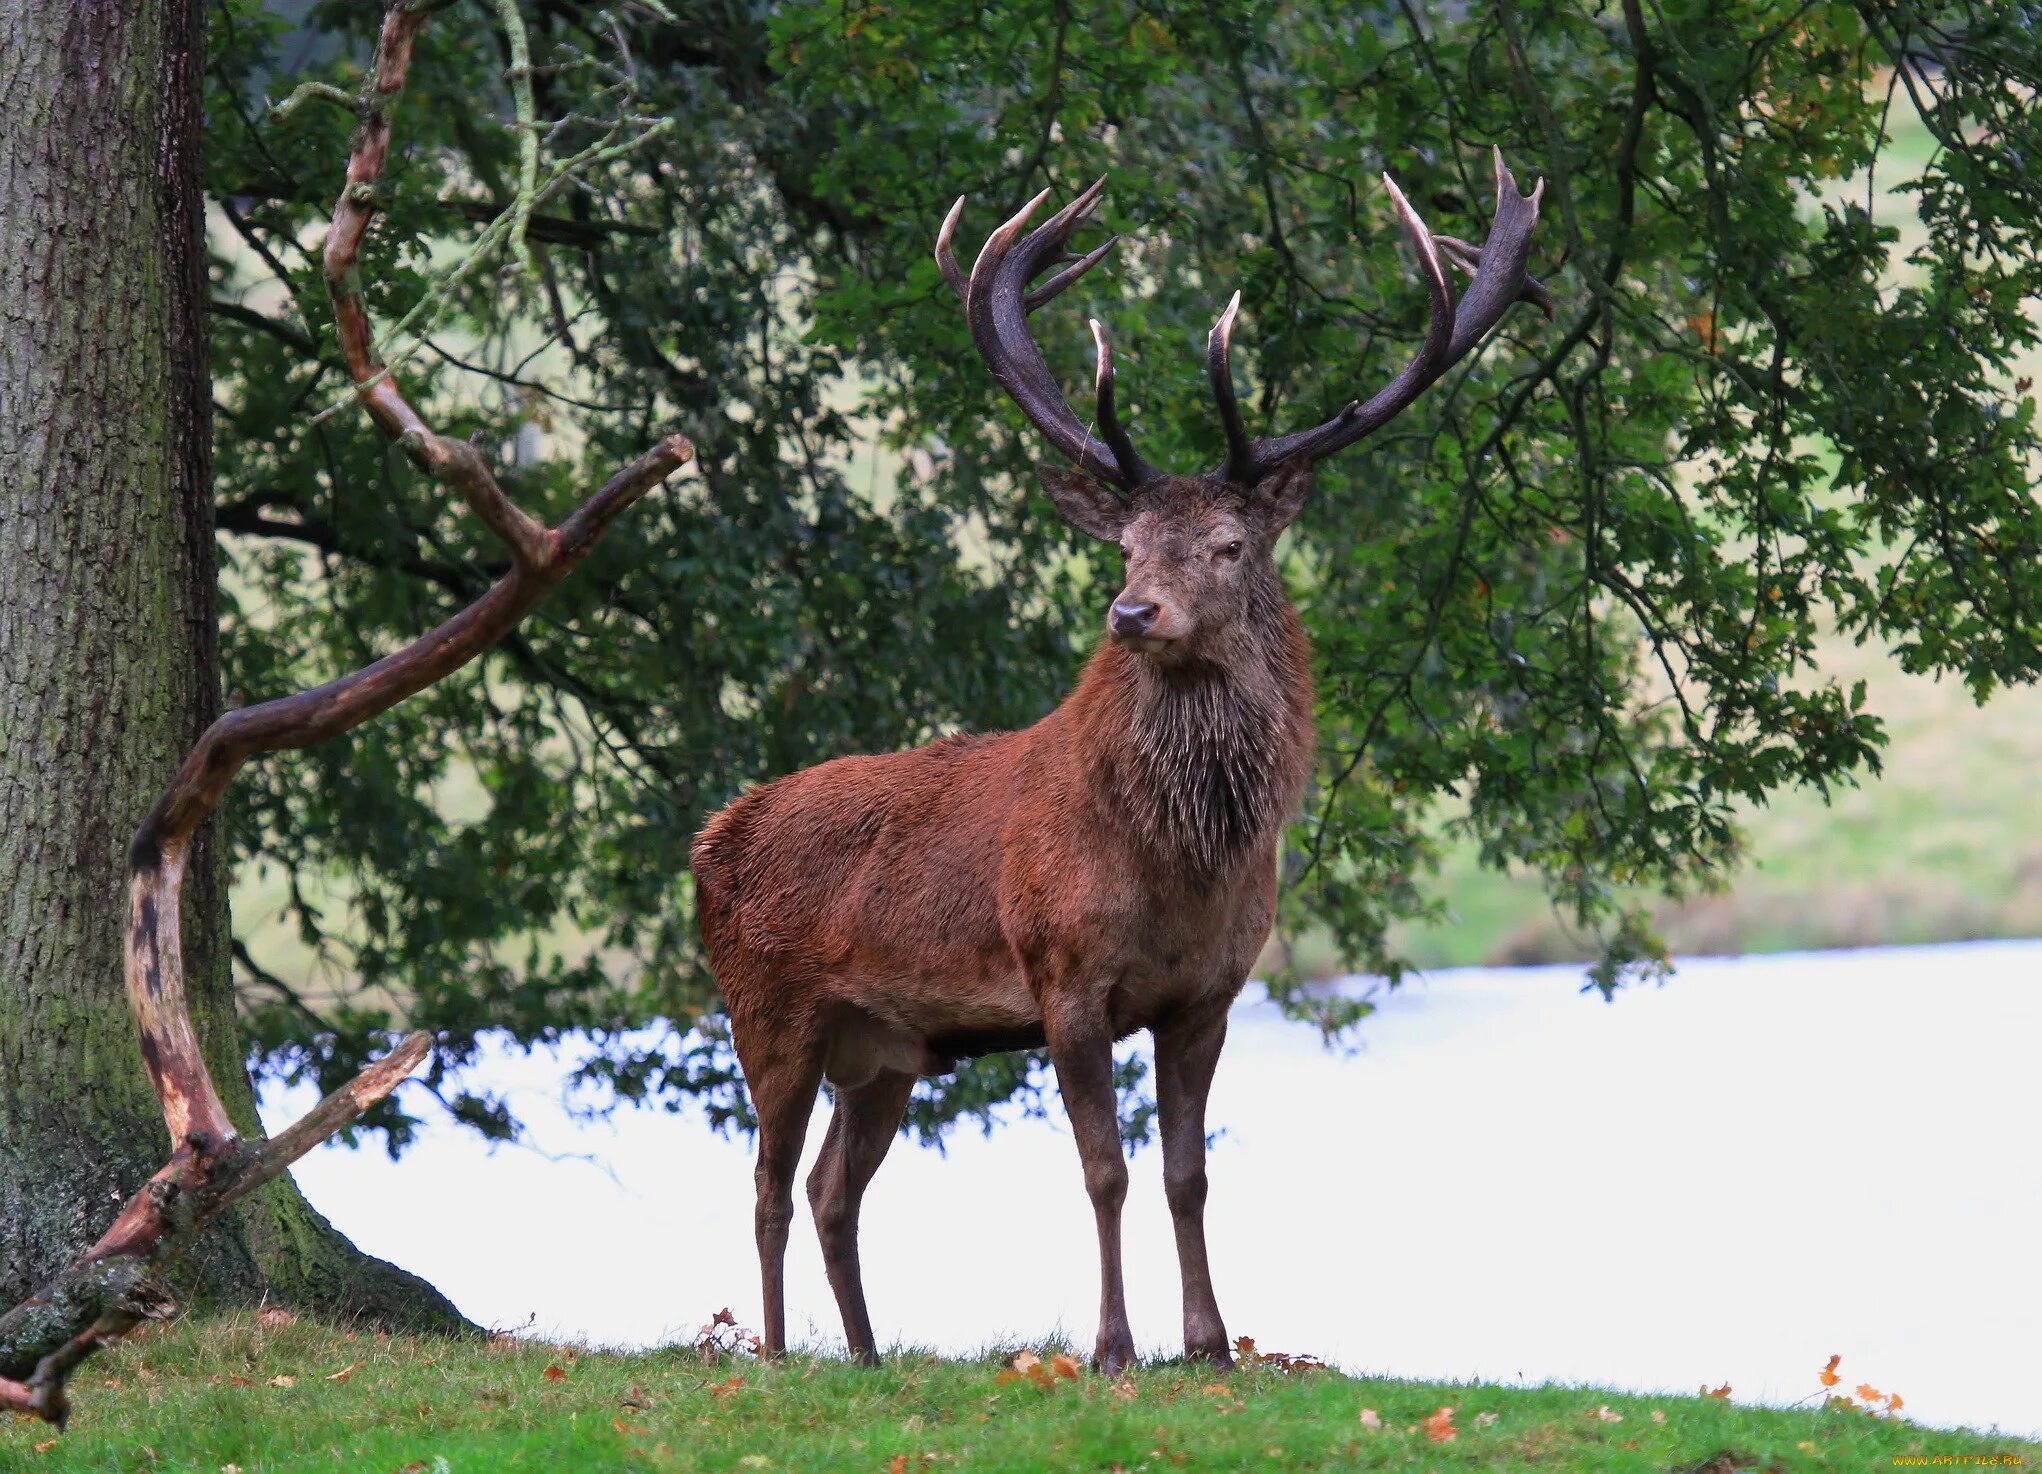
x: 997, y: 301
x: 1499, y: 279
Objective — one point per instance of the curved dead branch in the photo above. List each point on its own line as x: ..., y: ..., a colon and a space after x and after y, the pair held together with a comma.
x: 112, y: 1286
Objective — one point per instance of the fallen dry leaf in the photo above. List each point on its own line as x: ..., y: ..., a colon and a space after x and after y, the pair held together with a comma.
x: 1658, y: 1416
x: 730, y: 1384
x: 1064, y: 1367
x: 1371, y: 1420
x: 1440, y: 1426
x: 1721, y: 1394
x: 237, y: 1380
x: 1024, y: 1362
x: 345, y: 1372
x: 755, y: 1461
x: 283, y: 1379
x: 1828, y: 1373
x: 1124, y: 1389
x: 898, y: 1464
x: 1487, y: 1420
x: 555, y: 1372
x: 1604, y: 1415
x: 1868, y: 1393
x: 274, y: 1317
x: 46, y: 1445
x: 1895, y: 1402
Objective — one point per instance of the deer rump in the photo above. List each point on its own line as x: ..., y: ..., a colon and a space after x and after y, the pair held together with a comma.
x: 898, y: 904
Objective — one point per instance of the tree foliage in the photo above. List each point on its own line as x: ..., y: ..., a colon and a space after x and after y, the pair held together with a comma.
x: 1566, y: 607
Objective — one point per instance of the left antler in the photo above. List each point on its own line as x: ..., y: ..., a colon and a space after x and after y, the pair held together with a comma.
x: 111, y: 1287
x: 1499, y: 279
x: 997, y: 300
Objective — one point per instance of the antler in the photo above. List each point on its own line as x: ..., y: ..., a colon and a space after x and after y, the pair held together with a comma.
x: 1499, y: 279
x: 997, y: 300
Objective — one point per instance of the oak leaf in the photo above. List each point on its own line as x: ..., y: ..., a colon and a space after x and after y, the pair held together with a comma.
x: 1828, y: 1374
x: 1064, y: 1367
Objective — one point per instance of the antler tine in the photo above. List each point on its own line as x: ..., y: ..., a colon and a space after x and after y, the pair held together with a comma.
x: 1467, y: 259
x: 1219, y: 367
x: 997, y: 303
x: 1109, y: 422
x: 946, y: 257
x: 1049, y: 289
x: 1499, y: 272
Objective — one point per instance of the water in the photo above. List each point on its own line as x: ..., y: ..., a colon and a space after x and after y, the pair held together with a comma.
x: 1767, y: 1161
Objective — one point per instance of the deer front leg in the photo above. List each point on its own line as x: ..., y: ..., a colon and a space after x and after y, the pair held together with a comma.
x: 1081, y: 1048
x: 1187, y: 1050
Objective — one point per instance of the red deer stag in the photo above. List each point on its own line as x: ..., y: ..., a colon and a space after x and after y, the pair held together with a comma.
x: 1111, y: 868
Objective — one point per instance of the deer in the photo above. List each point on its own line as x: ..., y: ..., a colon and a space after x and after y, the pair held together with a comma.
x: 875, y: 919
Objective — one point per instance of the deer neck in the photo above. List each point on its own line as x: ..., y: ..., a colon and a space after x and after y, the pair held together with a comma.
x: 1203, y: 759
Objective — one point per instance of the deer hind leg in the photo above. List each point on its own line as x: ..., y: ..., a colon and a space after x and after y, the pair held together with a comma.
x: 1081, y: 1048
x: 782, y: 1070
x: 863, y: 1126
x: 1186, y: 1053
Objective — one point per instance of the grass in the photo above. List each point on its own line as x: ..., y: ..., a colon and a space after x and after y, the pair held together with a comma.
x: 271, y: 1393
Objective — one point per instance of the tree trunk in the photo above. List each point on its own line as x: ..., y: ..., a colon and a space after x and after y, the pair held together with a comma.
x: 109, y: 664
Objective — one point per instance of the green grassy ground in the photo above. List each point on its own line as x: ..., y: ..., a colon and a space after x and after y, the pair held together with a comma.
x: 232, y: 1394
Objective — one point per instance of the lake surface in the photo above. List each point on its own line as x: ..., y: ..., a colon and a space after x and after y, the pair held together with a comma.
x: 1728, y: 1178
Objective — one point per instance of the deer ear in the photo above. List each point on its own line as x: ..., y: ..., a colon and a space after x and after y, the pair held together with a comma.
x: 1283, y: 492
x: 1087, y: 503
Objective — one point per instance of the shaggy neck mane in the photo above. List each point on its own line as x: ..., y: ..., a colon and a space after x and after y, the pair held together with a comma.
x: 1205, y: 759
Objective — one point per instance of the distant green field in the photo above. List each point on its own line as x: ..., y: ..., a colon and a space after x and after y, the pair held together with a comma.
x: 237, y: 1397
x: 1942, y: 847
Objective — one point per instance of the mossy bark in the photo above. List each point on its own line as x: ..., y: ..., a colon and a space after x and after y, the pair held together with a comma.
x: 109, y: 665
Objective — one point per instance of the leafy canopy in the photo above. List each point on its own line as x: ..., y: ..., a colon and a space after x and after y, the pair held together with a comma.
x: 1565, y: 607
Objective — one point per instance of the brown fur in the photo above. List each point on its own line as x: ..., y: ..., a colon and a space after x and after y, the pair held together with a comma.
x: 1109, y: 869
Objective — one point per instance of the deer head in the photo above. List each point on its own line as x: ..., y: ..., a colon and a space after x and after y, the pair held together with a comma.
x: 1199, y: 549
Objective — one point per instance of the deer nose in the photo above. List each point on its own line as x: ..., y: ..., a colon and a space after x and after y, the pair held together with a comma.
x: 1133, y: 617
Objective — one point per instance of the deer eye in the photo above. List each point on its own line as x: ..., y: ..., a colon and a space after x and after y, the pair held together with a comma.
x: 1230, y: 552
